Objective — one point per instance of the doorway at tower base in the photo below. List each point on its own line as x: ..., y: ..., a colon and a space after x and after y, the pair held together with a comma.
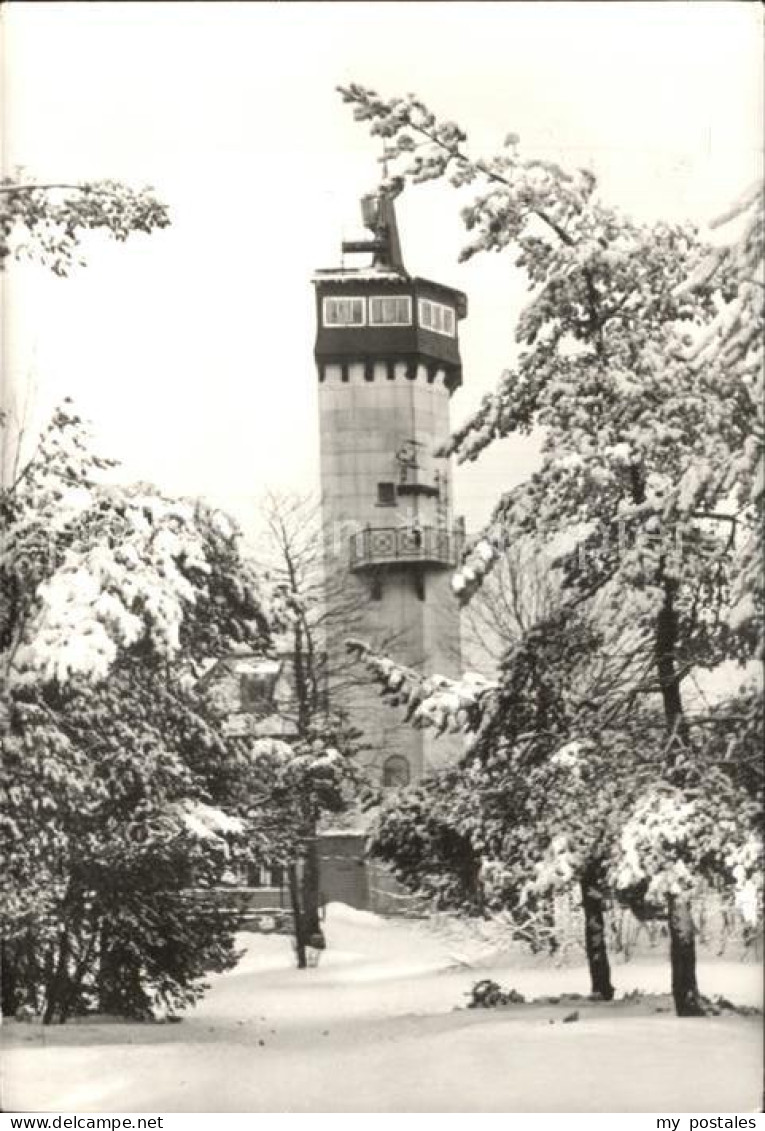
x: 346, y: 875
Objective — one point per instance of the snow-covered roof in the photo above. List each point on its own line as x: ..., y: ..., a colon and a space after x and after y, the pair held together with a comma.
x: 354, y: 275
x: 257, y: 667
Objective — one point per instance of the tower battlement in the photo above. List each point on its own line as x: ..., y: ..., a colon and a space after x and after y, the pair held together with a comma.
x: 382, y: 317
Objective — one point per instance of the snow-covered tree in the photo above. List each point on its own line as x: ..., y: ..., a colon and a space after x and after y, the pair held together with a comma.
x: 649, y: 450
x: 534, y: 809
x: 426, y: 834
x: 118, y: 787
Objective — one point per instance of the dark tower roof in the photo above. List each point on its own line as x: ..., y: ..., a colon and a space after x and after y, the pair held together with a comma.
x: 414, y: 338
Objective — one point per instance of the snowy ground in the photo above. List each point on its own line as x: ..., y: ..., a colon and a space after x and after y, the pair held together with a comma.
x: 374, y: 1029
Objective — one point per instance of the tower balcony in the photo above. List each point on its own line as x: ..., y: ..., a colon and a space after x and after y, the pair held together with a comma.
x: 396, y: 545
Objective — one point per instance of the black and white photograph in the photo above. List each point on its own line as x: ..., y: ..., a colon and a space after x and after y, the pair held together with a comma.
x: 381, y: 567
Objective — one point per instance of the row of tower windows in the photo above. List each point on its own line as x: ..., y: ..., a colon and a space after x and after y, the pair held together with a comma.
x: 384, y: 310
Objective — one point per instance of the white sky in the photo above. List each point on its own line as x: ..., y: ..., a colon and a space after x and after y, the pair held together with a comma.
x: 192, y: 350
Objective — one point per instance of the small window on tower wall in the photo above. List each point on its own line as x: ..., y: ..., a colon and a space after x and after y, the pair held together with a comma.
x: 386, y: 494
x: 256, y: 691
x: 343, y: 311
x: 396, y: 772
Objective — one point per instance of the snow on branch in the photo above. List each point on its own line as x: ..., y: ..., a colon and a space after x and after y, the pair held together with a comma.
x: 732, y: 346
x: 751, y: 198
x: 515, y: 515
x: 430, y: 701
x: 673, y: 841
x: 103, y: 598
x: 208, y: 822
x: 736, y: 332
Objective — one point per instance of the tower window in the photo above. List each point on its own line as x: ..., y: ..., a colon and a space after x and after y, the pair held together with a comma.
x: 344, y: 312
x: 396, y: 772
x: 386, y: 494
x: 436, y: 317
x: 257, y: 689
x: 390, y: 311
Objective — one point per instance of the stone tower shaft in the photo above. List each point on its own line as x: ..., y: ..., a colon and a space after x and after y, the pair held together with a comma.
x: 388, y: 361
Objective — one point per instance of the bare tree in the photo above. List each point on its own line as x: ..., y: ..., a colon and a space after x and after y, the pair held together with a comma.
x: 522, y: 591
x: 322, y: 610
x: 525, y: 590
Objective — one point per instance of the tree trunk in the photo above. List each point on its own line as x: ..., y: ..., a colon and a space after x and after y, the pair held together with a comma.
x: 102, y: 975
x: 297, y: 914
x: 547, y: 917
x: 595, y: 940
x: 311, y: 893
x: 683, y: 956
x: 57, y: 986
x: 9, y: 995
x: 81, y: 968
x: 666, y: 669
x: 685, y: 990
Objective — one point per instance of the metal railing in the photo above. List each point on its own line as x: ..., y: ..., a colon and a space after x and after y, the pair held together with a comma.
x: 389, y: 545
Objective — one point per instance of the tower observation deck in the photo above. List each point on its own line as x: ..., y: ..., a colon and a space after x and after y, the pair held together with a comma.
x: 388, y: 361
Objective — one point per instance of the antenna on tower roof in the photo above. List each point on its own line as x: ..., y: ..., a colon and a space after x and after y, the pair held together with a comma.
x: 379, y: 216
x: 386, y: 153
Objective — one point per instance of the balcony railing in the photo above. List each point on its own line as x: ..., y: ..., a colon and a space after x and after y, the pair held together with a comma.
x: 391, y: 545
